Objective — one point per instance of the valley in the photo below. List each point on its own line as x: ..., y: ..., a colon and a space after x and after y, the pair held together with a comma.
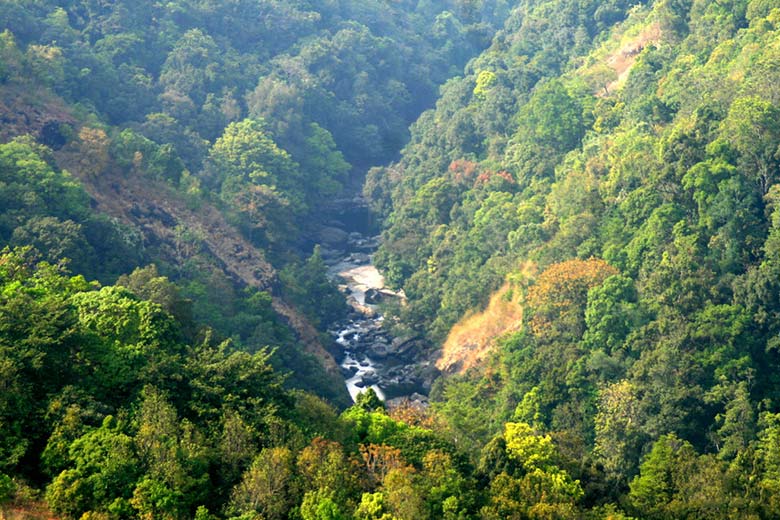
x: 389, y: 260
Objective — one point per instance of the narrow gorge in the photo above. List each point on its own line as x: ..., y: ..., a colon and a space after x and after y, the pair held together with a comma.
x: 369, y: 356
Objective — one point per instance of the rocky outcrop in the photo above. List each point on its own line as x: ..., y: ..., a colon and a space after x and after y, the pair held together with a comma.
x: 35, y: 112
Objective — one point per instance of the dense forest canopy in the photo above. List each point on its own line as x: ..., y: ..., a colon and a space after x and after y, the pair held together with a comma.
x: 189, y: 121
x: 579, y: 200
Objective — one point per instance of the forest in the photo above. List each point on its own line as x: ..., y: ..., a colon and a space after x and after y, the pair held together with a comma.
x: 578, y: 199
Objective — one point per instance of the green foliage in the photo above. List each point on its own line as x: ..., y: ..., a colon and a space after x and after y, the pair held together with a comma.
x: 307, y: 286
x: 369, y: 401
x: 372, y: 507
x: 550, y: 124
x: 322, y: 164
x: 48, y: 209
x: 33, y: 186
x: 256, y: 179
x: 82, y: 357
x: 7, y: 487
x: 540, y: 161
x: 267, y: 487
x: 103, y: 474
x: 667, y: 172
x: 675, y: 482
x: 610, y: 314
x: 138, y: 155
x: 532, y: 451
x: 318, y: 505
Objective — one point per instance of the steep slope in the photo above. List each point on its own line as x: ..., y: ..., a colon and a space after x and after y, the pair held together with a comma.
x: 639, y: 170
x: 162, y: 216
x: 38, y: 113
x: 471, y: 340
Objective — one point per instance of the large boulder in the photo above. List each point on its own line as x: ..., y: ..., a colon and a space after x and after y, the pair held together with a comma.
x: 373, y: 296
x: 333, y: 237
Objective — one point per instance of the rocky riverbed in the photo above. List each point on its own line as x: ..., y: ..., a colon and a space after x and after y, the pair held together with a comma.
x: 369, y: 357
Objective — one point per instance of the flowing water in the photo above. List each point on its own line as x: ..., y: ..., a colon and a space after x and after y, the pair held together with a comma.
x: 369, y: 357
x: 362, y: 333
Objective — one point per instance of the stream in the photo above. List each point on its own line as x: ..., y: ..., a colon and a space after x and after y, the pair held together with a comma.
x: 363, y: 332
x: 368, y: 355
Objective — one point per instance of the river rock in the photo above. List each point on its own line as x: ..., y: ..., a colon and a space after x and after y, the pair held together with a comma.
x: 359, y: 258
x: 331, y: 256
x: 378, y: 351
x: 416, y: 401
x: 361, y: 311
x: 332, y: 237
x: 375, y: 358
x: 407, y: 347
x: 373, y: 296
x: 370, y: 379
x: 428, y: 373
x: 349, y: 371
x: 364, y: 246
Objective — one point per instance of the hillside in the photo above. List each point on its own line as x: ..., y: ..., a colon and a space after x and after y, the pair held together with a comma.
x: 470, y: 340
x: 635, y: 164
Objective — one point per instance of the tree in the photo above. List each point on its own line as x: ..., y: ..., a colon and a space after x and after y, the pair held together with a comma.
x: 324, y: 469
x: 148, y: 284
x: 57, y: 241
x: 449, y: 491
x: 91, y: 151
x: 323, y: 165
x: 752, y: 127
x: 547, y: 126
x: 10, y: 57
x: 402, y: 494
x: 373, y: 507
x: 768, y: 454
x: 559, y: 296
x: 189, y: 71
x: 618, y: 431
x: 31, y: 186
x: 318, y: 505
x: 268, y: 487
x: 221, y: 377
x: 677, y: 483
x: 176, y: 479
x: 381, y: 459
x: 257, y: 179
x: 246, y: 152
x: 308, y: 287
x: 544, y: 488
x: 132, y: 341
x: 39, y: 337
x: 485, y: 80
x: 531, y: 450
x: 237, y: 447
x: 611, y: 313
x: 369, y: 401
x: 103, y: 473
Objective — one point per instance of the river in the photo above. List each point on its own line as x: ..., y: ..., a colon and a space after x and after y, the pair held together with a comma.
x: 364, y: 326
x: 395, y: 368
